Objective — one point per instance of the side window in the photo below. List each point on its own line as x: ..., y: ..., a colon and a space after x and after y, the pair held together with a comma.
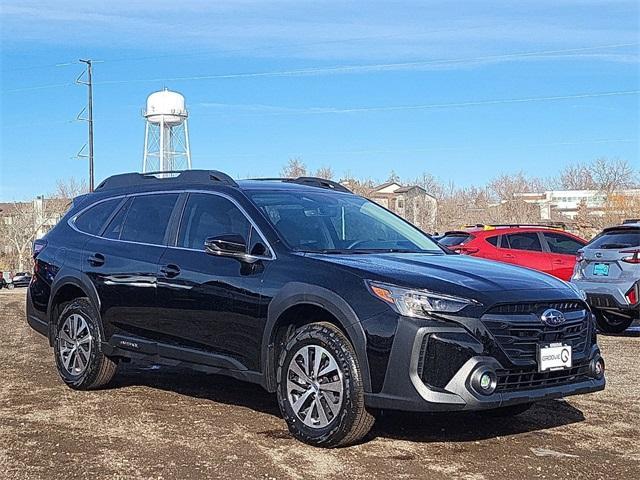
x: 148, y: 217
x: 524, y: 241
x: 114, y: 228
x: 92, y: 220
x: 563, y: 244
x: 493, y: 240
x: 207, y: 215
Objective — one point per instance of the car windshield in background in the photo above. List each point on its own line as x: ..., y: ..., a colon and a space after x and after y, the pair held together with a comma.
x: 614, y: 239
x: 330, y: 223
x: 453, y: 239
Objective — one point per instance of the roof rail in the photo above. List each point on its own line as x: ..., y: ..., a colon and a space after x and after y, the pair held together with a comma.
x: 630, y: 220
x: 309, y: 181
x: 150, y: 178
x: 554, y: 225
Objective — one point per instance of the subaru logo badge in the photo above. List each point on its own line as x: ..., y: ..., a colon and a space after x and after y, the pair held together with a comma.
x: 552, y: 317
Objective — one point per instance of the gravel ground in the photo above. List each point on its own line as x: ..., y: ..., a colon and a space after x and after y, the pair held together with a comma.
x: 157, y: 422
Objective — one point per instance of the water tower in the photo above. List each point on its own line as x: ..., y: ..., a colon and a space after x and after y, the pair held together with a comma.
x: 166, y: 134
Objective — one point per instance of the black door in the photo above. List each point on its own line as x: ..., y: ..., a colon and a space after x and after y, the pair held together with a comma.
x: 122, y: 264
x: 210, y: 302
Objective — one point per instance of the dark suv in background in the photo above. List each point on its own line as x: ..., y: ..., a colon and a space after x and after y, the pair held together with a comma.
x: 322, y: 296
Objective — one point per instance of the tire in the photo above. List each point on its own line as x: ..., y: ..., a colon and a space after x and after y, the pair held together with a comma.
x: 10, y: 286
x: 610, y: 322
x: 86, y: 367
x: 505, y: 412
x: 346, y: 420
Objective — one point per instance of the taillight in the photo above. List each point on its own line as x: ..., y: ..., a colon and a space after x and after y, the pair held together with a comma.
x: 38, y: 246
x: 633, y: 258
x: 632, y: 294
x: 465, y: 250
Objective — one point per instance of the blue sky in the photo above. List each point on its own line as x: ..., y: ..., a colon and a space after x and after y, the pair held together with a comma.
x: 463, y: 90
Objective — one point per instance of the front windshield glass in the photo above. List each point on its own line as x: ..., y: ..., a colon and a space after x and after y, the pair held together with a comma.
x: 329, y: 222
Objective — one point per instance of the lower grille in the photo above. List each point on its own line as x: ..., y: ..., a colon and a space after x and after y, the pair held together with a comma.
x: 600, y: 300
x: 528, y: 379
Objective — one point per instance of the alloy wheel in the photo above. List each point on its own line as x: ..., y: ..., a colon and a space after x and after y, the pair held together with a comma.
x: 74, y: 344
x: 314, y: 386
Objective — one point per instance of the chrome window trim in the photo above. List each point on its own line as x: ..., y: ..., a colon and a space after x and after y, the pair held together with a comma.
x: 71, y: 222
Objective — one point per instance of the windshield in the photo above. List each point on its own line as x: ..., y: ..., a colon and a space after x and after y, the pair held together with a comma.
x: 333, y: 223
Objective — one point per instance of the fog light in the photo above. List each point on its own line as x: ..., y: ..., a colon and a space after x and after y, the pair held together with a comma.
x: 484, y: 381
x: 597, y: 367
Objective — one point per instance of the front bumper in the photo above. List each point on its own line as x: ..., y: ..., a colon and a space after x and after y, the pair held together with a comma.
x: 401, y: 391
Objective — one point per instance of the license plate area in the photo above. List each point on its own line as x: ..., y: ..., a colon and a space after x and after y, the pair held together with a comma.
x: 554, y: 356
x: 601, y: 269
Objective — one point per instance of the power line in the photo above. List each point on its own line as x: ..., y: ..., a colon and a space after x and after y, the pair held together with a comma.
x: 473, y: 103
x: 341, y: 69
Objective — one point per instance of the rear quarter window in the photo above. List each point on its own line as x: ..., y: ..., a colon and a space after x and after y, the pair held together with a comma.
x: 92, y: 220
x: 493, y: 240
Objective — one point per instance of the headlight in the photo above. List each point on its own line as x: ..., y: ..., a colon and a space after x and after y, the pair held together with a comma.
x: 418, y: 303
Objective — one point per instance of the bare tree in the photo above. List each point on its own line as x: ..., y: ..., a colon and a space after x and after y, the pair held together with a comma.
x: 610, y: 175
x: 294, y: 168
x: 325, y: 172
x: 577, y: 176
x: 70, y: 188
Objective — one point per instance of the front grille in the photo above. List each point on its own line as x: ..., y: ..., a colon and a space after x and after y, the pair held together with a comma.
x: 527, y: 379
x: 518, y: 329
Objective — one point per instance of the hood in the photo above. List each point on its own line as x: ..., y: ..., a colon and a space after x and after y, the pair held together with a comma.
x: 454, y: 274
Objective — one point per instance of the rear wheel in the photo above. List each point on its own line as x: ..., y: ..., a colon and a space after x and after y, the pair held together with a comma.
x: 612, y: 322
x: 320, y: 389
x: 81, y: 363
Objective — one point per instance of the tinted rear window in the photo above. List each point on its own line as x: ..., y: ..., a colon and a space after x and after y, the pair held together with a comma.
x: 617, y: 239
x: 453, y: 239
x: 148, y: 218
x: 523, y: 241
x: 493, y: 240
x: 93, y: 219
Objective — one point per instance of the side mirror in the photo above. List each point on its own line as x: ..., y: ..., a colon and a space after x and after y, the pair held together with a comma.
x: 226, y: 245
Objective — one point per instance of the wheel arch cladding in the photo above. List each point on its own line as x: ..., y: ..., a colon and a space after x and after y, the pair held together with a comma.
x: 296, y: 299
x: 65, y: 289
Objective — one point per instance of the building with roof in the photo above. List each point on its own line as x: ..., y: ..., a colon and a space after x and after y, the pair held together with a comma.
x: 411, y: 202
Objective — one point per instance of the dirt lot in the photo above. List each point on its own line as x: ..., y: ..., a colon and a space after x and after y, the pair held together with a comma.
x: 163, y: 423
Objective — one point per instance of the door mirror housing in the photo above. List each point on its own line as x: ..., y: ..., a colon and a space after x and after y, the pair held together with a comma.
x: 226, y: 245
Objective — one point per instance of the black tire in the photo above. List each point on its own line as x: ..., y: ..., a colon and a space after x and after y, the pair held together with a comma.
x: 352, y: 421
x: 612, y: 322
x: 10, y: 286
x: 99, y: 369
x: 505, y: 412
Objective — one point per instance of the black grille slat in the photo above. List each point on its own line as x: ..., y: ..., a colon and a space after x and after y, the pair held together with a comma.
x: 525, y: 379
x: 518, y: 329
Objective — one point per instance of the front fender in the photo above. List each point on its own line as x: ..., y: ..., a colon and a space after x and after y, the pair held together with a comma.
x: 296, y: 293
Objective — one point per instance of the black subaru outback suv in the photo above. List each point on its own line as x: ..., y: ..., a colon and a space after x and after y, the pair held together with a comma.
x: 315, y: 293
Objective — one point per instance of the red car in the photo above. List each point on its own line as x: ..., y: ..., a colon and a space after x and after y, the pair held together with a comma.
x: 550, y: 250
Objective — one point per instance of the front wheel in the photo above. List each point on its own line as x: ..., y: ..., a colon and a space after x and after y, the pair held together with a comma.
x: 612, y: 322
x: 320, y: 389
x: 81, y: 363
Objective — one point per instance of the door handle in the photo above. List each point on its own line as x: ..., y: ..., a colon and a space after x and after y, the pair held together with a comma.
x: 170, y: 270
x: 558, y: 262
x: 509, y: 255
x: 97, y: 259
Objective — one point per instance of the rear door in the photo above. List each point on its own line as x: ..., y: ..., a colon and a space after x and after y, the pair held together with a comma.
x: 122, y: 264
x: 525, y: 249
x: 563, y: 249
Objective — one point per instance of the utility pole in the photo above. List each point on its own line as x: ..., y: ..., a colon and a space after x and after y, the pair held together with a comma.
x: 89, y: 119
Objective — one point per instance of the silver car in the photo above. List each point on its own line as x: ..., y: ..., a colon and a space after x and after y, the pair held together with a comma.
x: 608, y: 271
